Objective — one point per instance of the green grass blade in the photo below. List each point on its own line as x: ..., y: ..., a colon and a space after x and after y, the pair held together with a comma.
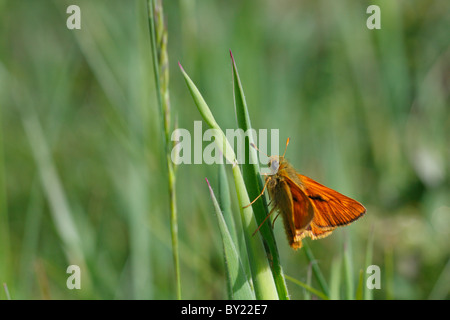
x: 254, y: 183
x: 368, y: 293
x: 318, y: 275
x: 30, y: 244
x: 220, y: 139
x: 225, y: 204
x: 225, y: 208
x: 389, y: 273
x: 348, y: 270
x: 160, y: 59
x: 316, y: 292
x: 261, y: 274
x: 307, y: 294
x: 5, y: 250
x: 52, y: 185
x: 335, y: 278
x: 5, y: 287
x: 199, y: 101
x: 238, y: 283
x: 359, y: 289
x: 230, y: 218
x: 441, y: 289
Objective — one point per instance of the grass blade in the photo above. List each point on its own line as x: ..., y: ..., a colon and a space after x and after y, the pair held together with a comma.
x: 225, y: 204
x: 316, y: 292
x: 359, y: 289
x: 237, y: 281
x: 160, y: 59
x: 307, y: 294
x: 441, y: 289
x: 5, y: 287
x: 389, y: 274
x: 315, y: 268
x: 261, y: 274
x: 348, y: 269
x: 52, y: 185
x: 5, y: 249
x: 368, y: 293
x: 335, y: 278
x: 254, y: 183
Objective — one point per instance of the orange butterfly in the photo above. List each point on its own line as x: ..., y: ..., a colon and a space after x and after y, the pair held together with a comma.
x: 308, y: 208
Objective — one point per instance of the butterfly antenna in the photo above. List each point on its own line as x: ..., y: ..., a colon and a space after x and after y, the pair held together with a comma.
x: 253, y: 145
x: 285, y: 149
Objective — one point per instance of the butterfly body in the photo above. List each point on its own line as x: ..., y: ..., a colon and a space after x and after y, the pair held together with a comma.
x: 308, y: 208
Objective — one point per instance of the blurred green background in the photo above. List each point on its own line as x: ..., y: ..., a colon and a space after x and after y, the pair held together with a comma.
x: 82, y: 173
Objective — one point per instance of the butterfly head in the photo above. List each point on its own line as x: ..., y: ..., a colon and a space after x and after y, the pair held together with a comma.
x: 277, y: 162
x: 274, y: 163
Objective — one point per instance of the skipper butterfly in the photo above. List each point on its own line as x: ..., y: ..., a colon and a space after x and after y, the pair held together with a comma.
x: 308, y: 208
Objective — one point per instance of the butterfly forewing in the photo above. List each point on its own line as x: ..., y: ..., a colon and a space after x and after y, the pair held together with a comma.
x: 332, y: 209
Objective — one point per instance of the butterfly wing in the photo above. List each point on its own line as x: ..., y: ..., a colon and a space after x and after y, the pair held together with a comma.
x: 309, y: 209
x: 332, y: 209
x: 302, y: 209
x: 315, y: 232
x: 302, y: 212
x: 296, y: 209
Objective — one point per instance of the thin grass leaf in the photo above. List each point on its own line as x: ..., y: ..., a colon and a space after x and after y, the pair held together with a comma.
x: 225, y: 208
x: 5, y: 287
x: 261, y: 274
x: 230, y: 218
x: 359, y: 289
x: 316, y: 292
x: 441, y: 289
x: 225, y: 204
x: 348, y: 270
x: 160, y: 59
x: 238, y: 283
x: 5, y: 249
x: 30, y: 244
x: 307, y: 294
x: 52, y: 185
x: 389, y: 273
x: 318, y: 275
x: 254, y: 183
x: 136, y: 201
x: 335, y: 278
x: 368, y: 293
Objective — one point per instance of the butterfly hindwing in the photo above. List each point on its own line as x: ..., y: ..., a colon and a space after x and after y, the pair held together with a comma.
x: 302, y: 209
x: 296, y: 209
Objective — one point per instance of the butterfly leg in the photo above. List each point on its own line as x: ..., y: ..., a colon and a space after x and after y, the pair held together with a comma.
x: 273, y: 222
x: 262, y: 192
x: 271, y: 211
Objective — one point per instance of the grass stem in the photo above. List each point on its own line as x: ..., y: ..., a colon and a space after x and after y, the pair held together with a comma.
x: 158, y: 38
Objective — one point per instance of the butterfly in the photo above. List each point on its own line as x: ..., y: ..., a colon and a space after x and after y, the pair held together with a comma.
x: 308, y: 208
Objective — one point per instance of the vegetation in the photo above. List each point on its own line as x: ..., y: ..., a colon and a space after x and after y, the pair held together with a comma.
x: 84, y: 171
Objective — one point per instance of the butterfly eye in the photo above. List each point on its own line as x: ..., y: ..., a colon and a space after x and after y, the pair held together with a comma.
x: 274, y: 165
